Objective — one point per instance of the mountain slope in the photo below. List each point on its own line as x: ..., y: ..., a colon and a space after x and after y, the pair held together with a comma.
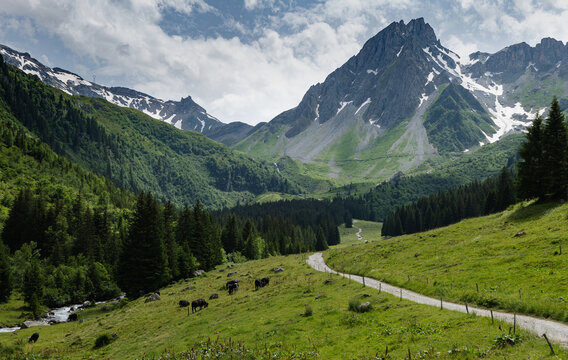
x: 456, y: 120
x: 404, y: 99
x: 135, y: 150
x: 184, y: 114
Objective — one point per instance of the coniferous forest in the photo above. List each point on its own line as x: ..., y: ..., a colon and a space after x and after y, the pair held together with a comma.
x: 69, y: 235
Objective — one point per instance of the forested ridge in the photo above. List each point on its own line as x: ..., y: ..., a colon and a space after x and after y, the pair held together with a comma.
x: 135, y: 151
x: 68, y: 234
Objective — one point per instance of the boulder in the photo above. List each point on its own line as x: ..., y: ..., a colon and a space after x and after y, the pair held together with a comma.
x: 327, y: 281
x: 318, y: 296
x: 520, y: 233
x: 73, y: 317
x: 364, y: 307
x: 214, y: 296
x: 278, y: 269
x: 198, y: 272
x: 153, y: 297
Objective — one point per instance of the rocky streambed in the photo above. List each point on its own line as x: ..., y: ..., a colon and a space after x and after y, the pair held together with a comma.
x: 56, y: 316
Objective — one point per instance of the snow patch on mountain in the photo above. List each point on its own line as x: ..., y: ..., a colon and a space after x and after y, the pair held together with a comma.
x: 399, y: 51
x: 504, y: 118
x: 368, y: 101
x: 429, y: 78
x: 342, y: 106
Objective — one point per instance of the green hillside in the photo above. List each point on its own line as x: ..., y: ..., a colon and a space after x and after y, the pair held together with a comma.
x: 511, y: 260
x: 134, y: 150
x: 280, y: 321
x: 456, y: 121
x: 27, y: 162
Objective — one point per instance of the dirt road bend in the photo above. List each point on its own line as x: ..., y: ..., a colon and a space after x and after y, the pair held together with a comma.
x: 555, y: 331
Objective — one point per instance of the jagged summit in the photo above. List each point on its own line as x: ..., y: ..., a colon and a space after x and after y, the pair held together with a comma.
x: 405, y: 98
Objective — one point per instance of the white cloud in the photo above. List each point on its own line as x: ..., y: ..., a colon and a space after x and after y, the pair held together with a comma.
x: 256, y: 80
x: 463, y: 49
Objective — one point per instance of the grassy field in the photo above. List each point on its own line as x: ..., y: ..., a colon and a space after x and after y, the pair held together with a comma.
x: 273, y: 321
x: 370, y: 231
x: 11, y: 311
x: 511, y: 261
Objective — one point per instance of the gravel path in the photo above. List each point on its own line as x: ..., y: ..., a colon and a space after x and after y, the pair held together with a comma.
x: 555, y: 331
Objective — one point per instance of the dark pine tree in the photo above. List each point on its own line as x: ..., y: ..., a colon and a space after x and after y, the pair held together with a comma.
x: 348, y: 219
x: 555, y: 154
x: 5, y: 283
x: 321, y: 243
x: 231, y: 236
x: 530, y: 179
x: 143, y: 261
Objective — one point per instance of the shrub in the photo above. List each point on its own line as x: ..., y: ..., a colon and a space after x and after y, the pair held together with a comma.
x: 103, y: 340
x: 354, y: 304
x: 505, y: 340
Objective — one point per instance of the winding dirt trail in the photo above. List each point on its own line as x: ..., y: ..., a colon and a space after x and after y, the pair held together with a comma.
x: 555, y: 331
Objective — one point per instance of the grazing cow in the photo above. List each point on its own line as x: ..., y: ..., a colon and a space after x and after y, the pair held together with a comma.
x: 199, y: 303
x: 34, y: 337
x: 261, y: 282
x: 230, y: 282
x: 233, y: 287
x: 183, y: 303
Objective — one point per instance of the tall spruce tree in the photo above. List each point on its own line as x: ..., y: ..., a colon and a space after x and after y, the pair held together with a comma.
x: 531, y: 170
x: 143, y: 264
x: 5, y: 283
x: 556, y: 150
x: 321, y: 243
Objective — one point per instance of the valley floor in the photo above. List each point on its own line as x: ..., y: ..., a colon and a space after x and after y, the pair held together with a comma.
x: 301, y: 314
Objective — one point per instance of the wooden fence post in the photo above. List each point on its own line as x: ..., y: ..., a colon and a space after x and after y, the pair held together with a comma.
x: 549, y: 344
x: 466, y: 309
x: 491, y: 316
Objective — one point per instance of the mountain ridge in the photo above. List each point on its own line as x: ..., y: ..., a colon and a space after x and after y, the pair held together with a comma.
x: 376, y: 105
x: 185, y: 114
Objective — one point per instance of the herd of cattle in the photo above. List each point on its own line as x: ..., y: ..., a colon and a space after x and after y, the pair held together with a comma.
x: 231, y: 286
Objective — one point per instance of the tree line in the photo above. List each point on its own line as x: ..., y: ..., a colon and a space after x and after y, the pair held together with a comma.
x: 541, y: 173
x: 58, y: 251
x: 450, y: 206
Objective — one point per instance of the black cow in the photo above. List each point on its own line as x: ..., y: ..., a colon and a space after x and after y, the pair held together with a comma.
x: 261, y: 282
x: 233, y: 287
x: 199, y: 303
x: 230, y: 282
x: 183, y: 303
x: 34, y: 337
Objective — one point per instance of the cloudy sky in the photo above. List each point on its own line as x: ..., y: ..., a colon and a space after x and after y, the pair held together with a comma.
x: 249, y: 60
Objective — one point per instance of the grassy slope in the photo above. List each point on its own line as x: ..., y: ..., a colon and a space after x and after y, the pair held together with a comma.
x: 522, y: 274
x: 369, y: 231
x: 272, y: 317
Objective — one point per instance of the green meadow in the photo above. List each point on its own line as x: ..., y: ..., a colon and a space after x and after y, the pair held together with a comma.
x: 513, y: 261
x: 281, y: 321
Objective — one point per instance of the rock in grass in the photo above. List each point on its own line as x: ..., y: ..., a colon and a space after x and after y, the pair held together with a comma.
x: 153, y: 297
x: 214, y: 296
x: 318, y: 296
x: 364, y: 307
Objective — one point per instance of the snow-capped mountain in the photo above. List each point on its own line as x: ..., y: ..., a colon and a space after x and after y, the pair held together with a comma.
x: 184, y: 114
x: 405, y: 98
